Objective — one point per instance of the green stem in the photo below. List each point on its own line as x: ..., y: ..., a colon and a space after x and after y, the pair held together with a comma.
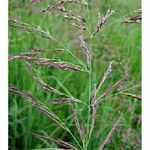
x: 90, y: 88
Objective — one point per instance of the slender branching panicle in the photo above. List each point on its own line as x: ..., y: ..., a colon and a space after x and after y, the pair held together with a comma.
x: 103, y: 20
x: 24, y: 56
x: 58, y: 64
x: 116, y: 85
x: 37, y: 104
x: 43, y: 109
x: 134, y: 18
x: 86, y: 47
x: 106, y: 75
x: 82, y: 99
x: 29, y: 28
x: 59, y: 4
x: 76, y: 21
x: 23, y: 94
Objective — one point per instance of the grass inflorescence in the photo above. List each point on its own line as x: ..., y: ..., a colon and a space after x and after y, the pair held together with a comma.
x: 87, y: 90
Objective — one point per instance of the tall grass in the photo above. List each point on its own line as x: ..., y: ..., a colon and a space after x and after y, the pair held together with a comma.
x: 76, y: 66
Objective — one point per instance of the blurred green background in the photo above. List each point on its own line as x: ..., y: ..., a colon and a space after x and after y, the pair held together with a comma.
x: 118, y: 42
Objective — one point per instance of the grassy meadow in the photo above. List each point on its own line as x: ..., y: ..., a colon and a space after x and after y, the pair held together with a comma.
x: 94, y: 106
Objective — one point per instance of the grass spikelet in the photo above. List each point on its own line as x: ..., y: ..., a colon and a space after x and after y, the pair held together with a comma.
x: 117, y: 84
x: 76, y: 21
x: 86, y: 48
x: 23, y: 94
x: 58, y: 4
x: 64, y: 101
x: 59, y: 142
x: 58, y: 64
x: 103, y: 20
x: 29, y: 28
x: 37, y: 30
x: 32, y: 55
x: 24, y: 56
x: 106, y: 75
x: 136, y: 17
